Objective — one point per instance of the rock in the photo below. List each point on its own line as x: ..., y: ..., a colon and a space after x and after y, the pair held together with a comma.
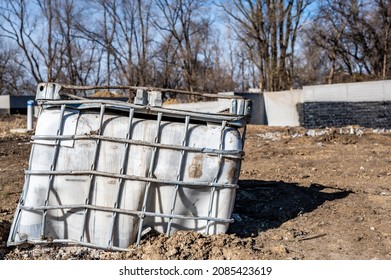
x: 279, y: 250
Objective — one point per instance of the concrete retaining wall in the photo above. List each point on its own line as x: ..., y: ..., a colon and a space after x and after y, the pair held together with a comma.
x: 348, y: 92
x: 281, y: 108
x: 366, y: 104
x: 4, y: 104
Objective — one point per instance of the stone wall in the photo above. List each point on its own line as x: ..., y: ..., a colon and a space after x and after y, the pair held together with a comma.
x: 337, y: 114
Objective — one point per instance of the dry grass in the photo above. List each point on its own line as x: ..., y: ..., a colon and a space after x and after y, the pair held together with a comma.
x: 8, y: 122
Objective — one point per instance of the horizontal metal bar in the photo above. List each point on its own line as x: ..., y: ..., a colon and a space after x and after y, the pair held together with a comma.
x: 124, y: 211
x: 118, y: 105
x: 231, y: 153
x: 201, y: 94
x: 68, y: 242
x: 130, y: 177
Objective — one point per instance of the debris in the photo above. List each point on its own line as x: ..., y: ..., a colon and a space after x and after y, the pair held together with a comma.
x: 312, y: 237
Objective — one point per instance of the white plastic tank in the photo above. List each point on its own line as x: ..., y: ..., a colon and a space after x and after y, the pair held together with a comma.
x: 100, y: 176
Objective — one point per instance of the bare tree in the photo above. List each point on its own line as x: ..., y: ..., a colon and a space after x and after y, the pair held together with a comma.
x: 132, y: 41
x: 184, y: 24
x: 143, y: 40
x: 41, y: 49
x: 101, y: 32
x: 326, y: 32
x: 268, y: 29
x: 123, y: 32
x: 13, y: 80
x: 382, y: 20
x: 312, y: 65
x: 355, y: 35
x: 169, y: 70
x: 81, y: 59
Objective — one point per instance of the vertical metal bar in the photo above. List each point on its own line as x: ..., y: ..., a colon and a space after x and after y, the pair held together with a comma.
x: 92, y: 168
x: 218, y: 171
x: 25, y: 190
x: 121, y: 181
x: 53, y: 167
x: 150, y: 173
x: 179, y: 173
x: 243, y: 136
x: 22, y: 197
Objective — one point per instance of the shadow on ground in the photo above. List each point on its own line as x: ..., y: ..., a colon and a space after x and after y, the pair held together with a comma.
x: 4, y: 232
x: 262, y: 205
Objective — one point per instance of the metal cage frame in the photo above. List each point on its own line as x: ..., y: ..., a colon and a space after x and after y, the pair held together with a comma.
x: 50, y: 97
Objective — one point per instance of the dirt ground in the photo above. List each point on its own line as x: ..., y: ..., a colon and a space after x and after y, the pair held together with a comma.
x: 304, y: 194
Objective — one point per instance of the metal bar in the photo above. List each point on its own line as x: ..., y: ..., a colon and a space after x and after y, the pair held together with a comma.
x: 150, y: 173
x: 212, y: 117
x: 123, y: 211
x: 23, y: 195
x: 22, y: 199
x: 70, y: 242
x: 122, y: 171
x: 243, y: 136
x: 131, y: 177
x: 93, y: 168
x: 218, y: 171
x: 53, y: 167
x: 227, y: 153
x: 201, y: 94
x: 179, y: 173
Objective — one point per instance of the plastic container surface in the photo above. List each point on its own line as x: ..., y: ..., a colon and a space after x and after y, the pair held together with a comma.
x: 101, y: 179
